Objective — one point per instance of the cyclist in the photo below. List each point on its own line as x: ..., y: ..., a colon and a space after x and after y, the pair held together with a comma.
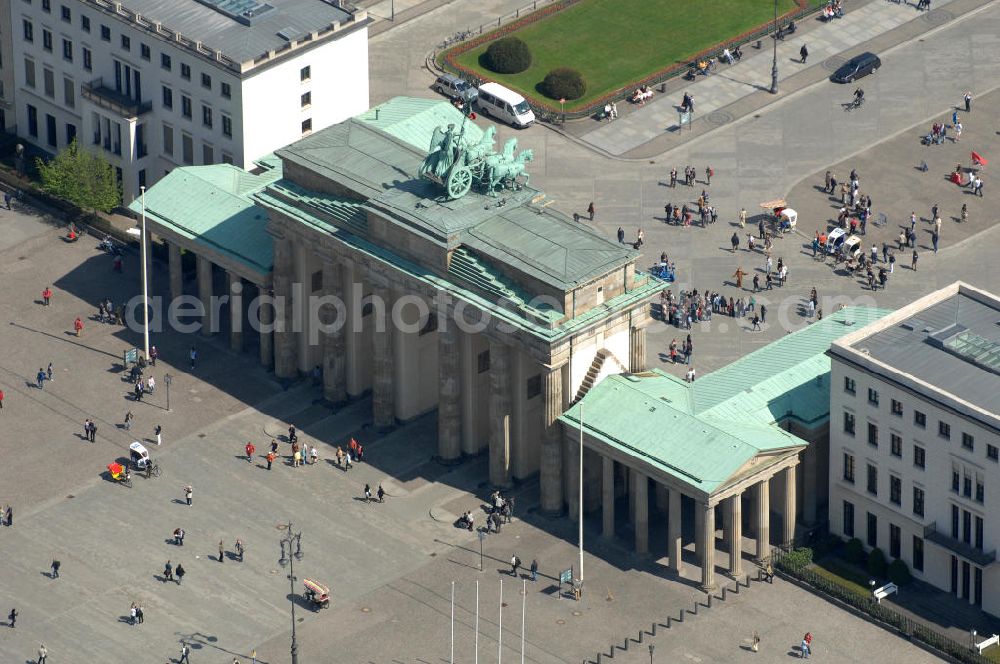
x: 859, y: 97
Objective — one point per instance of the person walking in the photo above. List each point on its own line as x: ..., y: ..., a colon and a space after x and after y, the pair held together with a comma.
x: 55, y: 569
x: 803, y: 53
x: 10, y: 515
x: 708, y: 175
x: 179, y: 574
x: 139, y: 615
x: 967, y: 98
x: 313, y: 455
x: 913, y: 263
x: 40, y: 378
x: 92, y: 431
x: 515, y: 563
x: 271, y: 456
x: 222, y: 552
x: 380, y: 494
x: 193, y: 355
x: 591, y: 210
x: 179, y: 536
x: 734, y: 241
x: 188, y: 494
x: 158, y: 432
x: 133, y: 613
x: 250, y: 449
x: 185, y: 654
x: 239, y: 548
x: 168, y: 572
x: 1, y: 399
x: 755, y: 641
x: 46, y: 296
x: 534, y: 570
x: 738, y: 276
x: 77, y: 326
x: 934, y: 240
x: 128, y: 420
x: 368, y: 493
x: 43, y: 653
x: 621, y: 231
x: 12, y: 618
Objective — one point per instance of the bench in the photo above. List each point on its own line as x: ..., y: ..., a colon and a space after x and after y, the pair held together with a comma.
x: 992, y: 641
x: 885, y: 591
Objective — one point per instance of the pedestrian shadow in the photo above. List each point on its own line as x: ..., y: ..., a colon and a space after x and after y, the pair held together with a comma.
x: 125, y: 619
x: 746, y: 647
x: 178, y: 501
x: 48, y: 575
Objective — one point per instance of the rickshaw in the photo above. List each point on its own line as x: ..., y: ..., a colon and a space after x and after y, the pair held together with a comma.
x: 119, y: 473
x: 141, y: 460
x: 664, y: 271
x: 316, y: 593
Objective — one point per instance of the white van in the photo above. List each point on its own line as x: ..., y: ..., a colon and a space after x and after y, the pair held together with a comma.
x: 504, y: 105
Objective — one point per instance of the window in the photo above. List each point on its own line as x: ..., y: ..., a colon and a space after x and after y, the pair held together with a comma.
x: 50, y: 130
x: 87, y: 62
x: 848, y: 467
x: 954, y: 521
x: 918, y: 554
x: 430, y: 325
x: 206, y: 81
x: 47, y: 6
x: 168, y: 97
x: 848, y: 519
x: 32, y: 121
x: 227, y: 126
x: 894, y: 540
x: 919, y: 419
x: 186, y: 106
x: 227, y: 158
x: 918, y: 501
x: 67, y: 50
x: 967, y: 527
x: 897, y: 408
x: 226, y: 90
x: 307, y: 125
x: 872, y: 480
x: 968, y: 442
x: 105, y: 33
x: 895, y: 490
x: 967, y: 485
x: 85, y: 23
x: 66, y: 15
x: 142, y: 178
x: 872, y: 396
x: 956, y: 479
x: 144, y: 52
x: 168, y: 140
x: 979, y: 533
x: 165, y: 61
x: 872, y: 530
x: 317, y: 281
x: 944, y: 430
x: 70, y: 133
x: 849, y: 385
x: 873, y: 434
x: 47, y: 40
x: 206, y: 116
x: 306, y: 100
x: 49, y: 82
x: 895, y: 445
x: 69, y: 93
x: 849, y: 423
x: 305, y: 73
x: 126, y: 42
x: 919, y: 457
x: 483, y: 362
x: 980, y: 489
x: 187, y: 149
x: 29, y: 74
x: 185, y: 72
x: 207, y: 154
x: 29, y: 30
x: 992, y: 453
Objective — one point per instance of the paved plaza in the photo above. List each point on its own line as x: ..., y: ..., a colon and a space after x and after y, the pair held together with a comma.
x: 391, y: 566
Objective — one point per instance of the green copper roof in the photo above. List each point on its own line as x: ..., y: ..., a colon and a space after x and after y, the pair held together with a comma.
x: 212, y: 206
x: 413, y: 120
x: 704, y: 432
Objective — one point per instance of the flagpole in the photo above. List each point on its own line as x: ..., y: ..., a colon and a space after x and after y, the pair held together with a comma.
x: 477, y: 622
x: 452, y: 622
x: 500, y: 630
x: 524, y: 601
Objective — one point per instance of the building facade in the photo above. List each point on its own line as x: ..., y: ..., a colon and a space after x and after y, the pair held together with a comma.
x: 156, y: 85
x: 915, y: 440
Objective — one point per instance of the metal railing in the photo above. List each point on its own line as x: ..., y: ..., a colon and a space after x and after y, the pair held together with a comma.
x: 112, y: 100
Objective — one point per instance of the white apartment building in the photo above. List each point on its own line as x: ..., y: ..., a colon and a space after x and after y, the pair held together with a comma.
x: 154, y: 84
x: 915, y: 440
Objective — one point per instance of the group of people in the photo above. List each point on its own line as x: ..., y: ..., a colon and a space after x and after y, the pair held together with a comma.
x: 832, y: 10
x: 108, y: 313
x: 732, y: 57
x: 641, y: 95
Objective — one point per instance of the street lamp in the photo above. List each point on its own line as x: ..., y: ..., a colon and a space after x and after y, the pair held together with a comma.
x: 286, y: 560
x: 167, y: 379
x: 774, y: 62
x: 141, y: 231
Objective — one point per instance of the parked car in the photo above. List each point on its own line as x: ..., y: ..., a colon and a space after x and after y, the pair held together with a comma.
x: 456, y: 88
x: 857, y: 67
x: 505, y: 105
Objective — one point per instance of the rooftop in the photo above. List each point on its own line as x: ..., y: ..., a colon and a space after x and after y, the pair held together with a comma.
x: 724, y: 419
x: 949, y: 340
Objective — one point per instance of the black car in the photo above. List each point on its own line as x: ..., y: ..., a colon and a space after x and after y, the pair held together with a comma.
x: 857, y: 67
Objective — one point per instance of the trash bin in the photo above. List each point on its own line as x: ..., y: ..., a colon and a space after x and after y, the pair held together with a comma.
x: 663, y: 87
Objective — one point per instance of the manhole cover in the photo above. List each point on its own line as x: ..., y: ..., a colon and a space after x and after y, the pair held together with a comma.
x: 365, y: 609
x: 719, y: 118
x: 834, y: 63
x: 560, y: 622
x: 938, y: 16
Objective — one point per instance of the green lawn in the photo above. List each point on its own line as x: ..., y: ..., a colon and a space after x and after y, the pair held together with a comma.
x: 843, y: 574
x: 616, y: 42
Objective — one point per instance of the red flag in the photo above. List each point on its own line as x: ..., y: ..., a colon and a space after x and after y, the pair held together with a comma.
x: 978, y: 160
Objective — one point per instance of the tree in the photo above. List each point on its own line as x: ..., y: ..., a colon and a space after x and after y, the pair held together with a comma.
x: 564, y: 83
x: 82, y: 178
x: 509, y: 55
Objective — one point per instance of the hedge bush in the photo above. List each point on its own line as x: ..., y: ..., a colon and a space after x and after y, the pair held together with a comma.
x: 876, y: 563
x: 509, y: 55
x: 798, y: 558
x: 854, y: 551
x: 899, y: 573
x: 564, y: 83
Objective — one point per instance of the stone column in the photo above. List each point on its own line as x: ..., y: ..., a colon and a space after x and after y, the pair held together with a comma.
x: 608, y: 498
x: 675, y: 544
x: 235, y: 312
x: 205, y: 294
x: 334, y: 335
x: 734, y: 535
x: 175, y: 269
x: 809, y: 460
x: 763, y: 527
x: 705, y: 525
x: 637, y: 349
x: 449, y: 392
x: 788, y: 531
x: 550, y: 471
x: 285, y: 338
x: 266, y: 314
x: 383, y: 374
x: 499, y: 414
x: 149, y: 262
x: 640, y: 491
x: 571, y: 461
x: 471, y: 442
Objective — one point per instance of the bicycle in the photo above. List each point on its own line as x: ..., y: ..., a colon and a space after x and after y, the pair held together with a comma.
x: 153, y: 469
x: 858, y: 102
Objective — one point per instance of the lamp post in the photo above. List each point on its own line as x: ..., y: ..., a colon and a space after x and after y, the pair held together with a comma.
x: 143, y: 240
x: 774, y: 61
x: 167, y: 379
x: 288, y: 560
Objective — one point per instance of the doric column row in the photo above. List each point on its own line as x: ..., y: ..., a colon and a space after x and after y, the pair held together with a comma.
x: 383, y: 389
x: 637, y: 349
x: 334, y: 337
x: 499, y: 414
x: 550, y: 470
x: 449, y: 393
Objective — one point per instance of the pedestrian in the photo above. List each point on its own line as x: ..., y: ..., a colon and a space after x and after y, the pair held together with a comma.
x: 77, y: 326
x: 179, y: 573
x: 40, y: 378
x: 46, y: 296
x: 43, y: 653
x: 150, y: 384
x: 168, y: 572
x: 640, y: 238
x: 188, y: 493
x: 965, y: 213
x: 1, y: 399
x: 296, y: 455
x: 313, y: 455
x: 153, y: 354
x: 140, y: 616
x: 193, y: 355
x: 708, y: 175
x: 967, y: 98
x: 250, y: 449
x: 534, y: 571
x: 934, y: 240
x: 178, y: 536
x: 591, y: 210
x: 158, y: 432
x: 755, y: 323
x: 118, y: 265
x: 934, y: 211
x: 621, y: 231
x: 270, y: 459
x: 222, y: 552
x: 239, y: 548
x: 128, y: 419
x: 185, y: 654
x: 738, y: 276
x: 515, y: 562
x: 380, y: 494
x: 913, y: 263
x: 755, y: 641
x: 274, y: 446
x: 368, y: 493
x: 92, y: 431
x: 10, y: 515
x: 763, y: 313
x: 673, y: 178
x: 979, y: 187
x: 735, y: 242
x: 12, y: 617
x: 133, y: 614
x: 55, y: 569
x: 292, y: 435
x: 803, y: 53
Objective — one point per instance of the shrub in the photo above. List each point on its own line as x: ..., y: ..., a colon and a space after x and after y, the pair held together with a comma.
x: 854, y: 551
x: 564, y: 83
x: 876, y: 563
x: 509, y: 55
x: 899, y: 573
x: 828, y: 543
x: 798, y: 558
